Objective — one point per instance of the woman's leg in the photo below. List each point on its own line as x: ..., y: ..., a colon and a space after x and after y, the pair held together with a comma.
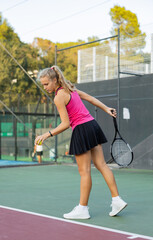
x: 98, y: 158
x: 100, y: 164
x: 84, y: 168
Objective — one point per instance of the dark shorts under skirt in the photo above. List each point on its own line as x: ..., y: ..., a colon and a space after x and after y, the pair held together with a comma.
x: 85, y: 137
x: 40, y: 153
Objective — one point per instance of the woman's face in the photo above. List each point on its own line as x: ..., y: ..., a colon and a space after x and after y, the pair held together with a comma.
x: 49, y: 85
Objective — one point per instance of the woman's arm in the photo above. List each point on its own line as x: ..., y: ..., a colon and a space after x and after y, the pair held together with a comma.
x: 61, y: 107
x: 94, y: 101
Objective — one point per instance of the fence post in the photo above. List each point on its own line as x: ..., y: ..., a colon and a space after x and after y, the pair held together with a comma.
x: 106, y: 67
x: 0, y: 140
x: 152, y: 53
x: 79, y: 66
x: 15, y: 137
x: 94, y: 64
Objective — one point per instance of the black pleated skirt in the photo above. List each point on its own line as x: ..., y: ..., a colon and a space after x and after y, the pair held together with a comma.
x: 85, y: 137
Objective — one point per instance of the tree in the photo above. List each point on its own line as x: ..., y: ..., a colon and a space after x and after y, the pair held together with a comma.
x: 67, y: 60
x: 129, y: 29
x: 27, y: 56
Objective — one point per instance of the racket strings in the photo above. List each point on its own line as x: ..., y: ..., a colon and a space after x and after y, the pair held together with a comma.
x: 121, y: 152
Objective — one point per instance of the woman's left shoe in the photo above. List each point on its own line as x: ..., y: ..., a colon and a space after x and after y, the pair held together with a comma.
x: 117, y: 206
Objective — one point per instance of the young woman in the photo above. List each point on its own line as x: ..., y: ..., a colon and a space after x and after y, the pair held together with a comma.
x: 86, y: 139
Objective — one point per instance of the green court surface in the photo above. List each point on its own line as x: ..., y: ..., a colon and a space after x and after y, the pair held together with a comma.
x: 54, y: 190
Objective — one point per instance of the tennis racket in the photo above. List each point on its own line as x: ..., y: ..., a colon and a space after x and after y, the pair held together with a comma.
x: 120, y: 150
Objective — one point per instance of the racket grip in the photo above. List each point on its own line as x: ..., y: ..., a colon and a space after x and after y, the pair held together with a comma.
x: 112, y: 111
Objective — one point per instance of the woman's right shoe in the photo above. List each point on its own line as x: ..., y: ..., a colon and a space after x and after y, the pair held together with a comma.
x: 78, y: 213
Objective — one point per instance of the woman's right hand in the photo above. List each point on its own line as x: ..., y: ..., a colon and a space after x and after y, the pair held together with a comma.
x: 40, y: 139
x: 112, y: 112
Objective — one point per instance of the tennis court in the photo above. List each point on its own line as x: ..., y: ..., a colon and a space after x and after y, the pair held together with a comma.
x: 33, y: 200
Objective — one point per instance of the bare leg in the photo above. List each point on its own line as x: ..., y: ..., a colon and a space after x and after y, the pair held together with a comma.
x: 84, y: 167
x: 39, y: 158
x: 100, y: 164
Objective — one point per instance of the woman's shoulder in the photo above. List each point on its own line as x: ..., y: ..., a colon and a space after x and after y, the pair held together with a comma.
x: 62, y: 95
x: 81, y: 93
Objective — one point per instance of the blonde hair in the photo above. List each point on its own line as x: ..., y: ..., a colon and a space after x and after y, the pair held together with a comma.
x: 55, y: 72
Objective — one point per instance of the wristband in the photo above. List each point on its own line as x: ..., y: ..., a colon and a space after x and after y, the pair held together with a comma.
x: 51, y: 134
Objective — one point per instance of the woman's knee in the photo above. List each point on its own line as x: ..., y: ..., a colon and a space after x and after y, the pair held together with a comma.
x: 84, y: 170
x: 84, y: 163
x: 100, y: 165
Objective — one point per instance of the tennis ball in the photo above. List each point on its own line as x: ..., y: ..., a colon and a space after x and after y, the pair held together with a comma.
x: 39, y: 143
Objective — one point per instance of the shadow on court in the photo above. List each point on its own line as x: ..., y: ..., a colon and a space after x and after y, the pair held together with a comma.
x: 54, y: 190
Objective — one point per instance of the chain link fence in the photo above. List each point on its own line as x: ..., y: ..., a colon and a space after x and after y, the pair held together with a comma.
x: 101, y: 62
x: 17, y: 138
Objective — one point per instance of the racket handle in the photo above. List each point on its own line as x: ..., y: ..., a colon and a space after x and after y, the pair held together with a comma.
x: 112, y: 111
x: 115, y: 122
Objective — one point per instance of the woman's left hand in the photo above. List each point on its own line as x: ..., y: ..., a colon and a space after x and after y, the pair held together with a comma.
x: 112, y: 112
x: 40, y: 139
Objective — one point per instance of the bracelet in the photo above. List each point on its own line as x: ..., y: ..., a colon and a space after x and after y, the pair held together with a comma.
x: 51, y: 134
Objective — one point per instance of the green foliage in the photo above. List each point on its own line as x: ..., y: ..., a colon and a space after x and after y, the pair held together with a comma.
x: 129, y: 29
x: 41, y: 54
x: 126, y: 20
x: 27, y: 57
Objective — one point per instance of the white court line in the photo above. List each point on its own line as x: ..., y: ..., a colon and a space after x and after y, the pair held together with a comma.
x: 132, y: 235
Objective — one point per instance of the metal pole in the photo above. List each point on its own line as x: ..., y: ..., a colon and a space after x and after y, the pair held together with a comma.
x: 0, y: 139
x: 56, y: 140
x: 118, y: 87
x: 106, y: 67
x: 152, y: 53
x: 79, y: 66
x: 56, y: 54
x: 15, y: 137
x: 94, y: 64
x: 83, y: 44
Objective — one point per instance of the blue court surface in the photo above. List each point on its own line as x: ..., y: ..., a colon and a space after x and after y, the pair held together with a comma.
x: 11, y: 163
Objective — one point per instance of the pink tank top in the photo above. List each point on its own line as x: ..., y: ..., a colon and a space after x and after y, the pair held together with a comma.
x: 77, y: 111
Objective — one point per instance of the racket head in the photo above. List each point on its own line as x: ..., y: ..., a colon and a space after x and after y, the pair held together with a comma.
x: 121, y: 152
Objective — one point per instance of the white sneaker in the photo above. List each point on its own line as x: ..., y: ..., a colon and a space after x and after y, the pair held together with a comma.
x: 117, y: 206
x: 78, y: 213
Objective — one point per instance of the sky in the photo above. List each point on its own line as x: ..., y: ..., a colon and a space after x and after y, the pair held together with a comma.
x: 68, y: 20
